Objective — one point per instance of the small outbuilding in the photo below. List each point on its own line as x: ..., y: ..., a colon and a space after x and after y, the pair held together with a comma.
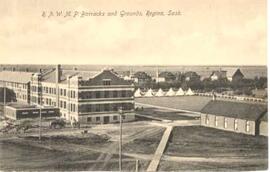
x: 22, y: 111
x: 239, y: 117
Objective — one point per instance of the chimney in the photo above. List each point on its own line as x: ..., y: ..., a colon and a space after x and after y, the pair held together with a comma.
x: 58, y: 73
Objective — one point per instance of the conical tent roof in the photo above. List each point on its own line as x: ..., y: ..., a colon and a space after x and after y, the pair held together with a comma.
x: 170, y: 92
x: 160, y: 93
x: 190, y: 92
x: 138, y: 93
x: 149, y: 93
x: 180, y: 92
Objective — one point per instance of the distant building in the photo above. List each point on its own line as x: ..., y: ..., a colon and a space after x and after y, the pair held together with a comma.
x: 260, y: 93
x: 166, y: 77
x: 191, y: 76
x: 220, y: 74
x: 142, y: 77
x: 235, y: 75
x: 237, y: 117
x: 84, y: 96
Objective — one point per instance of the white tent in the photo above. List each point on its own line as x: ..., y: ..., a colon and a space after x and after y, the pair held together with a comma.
x: 190, y: 92
x: 170, y: 92
x: 160, y: 93
x: 180, y: 92
x: 149, y: 93
x: 138, y: 93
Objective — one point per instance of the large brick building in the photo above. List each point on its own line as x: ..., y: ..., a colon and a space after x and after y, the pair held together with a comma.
x: 87, y: 97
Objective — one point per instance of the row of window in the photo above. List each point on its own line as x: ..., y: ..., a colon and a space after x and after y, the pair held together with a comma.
x: 98, y: 119
x: 105, y: 94
x: 105, y: 107
x: 16, y: 85
x: 225, y: 124
x: 63, y: 104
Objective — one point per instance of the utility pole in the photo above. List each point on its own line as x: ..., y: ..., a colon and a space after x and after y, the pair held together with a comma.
x: 40, y: 113
x: 4, y: 108
x: 120, y: 139
x: 137, y: 166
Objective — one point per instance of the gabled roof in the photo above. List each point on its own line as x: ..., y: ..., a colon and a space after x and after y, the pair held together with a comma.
x: 240, y: 110
x: 86, y: 75
x: 219, y: 73
x: 20, y: 77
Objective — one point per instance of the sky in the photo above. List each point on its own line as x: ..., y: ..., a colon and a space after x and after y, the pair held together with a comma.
x: 208, y: 32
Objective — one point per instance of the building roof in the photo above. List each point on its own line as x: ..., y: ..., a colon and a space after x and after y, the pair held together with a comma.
x: 219, y: 73
x: 20, y: 77
x: 265, y: 117
x: 232, y: 109
x: 86, y: 75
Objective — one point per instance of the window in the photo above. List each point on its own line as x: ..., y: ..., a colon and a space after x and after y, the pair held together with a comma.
x: 123, y: 116
x: 225, y: 122
x: 65, y: 104
x: 106, y: 94
x: 115, y: 93
x: 97, y: 94
x: 247, y: 126
x: 123, y: 93
x: 106, y: 82
x: 97, y: 118
x: 207, y: 120
x: 106, y: 107
x: 65, y: 92
x: 114, y: 117
x: 236, y: 124
x: 89, y: 119
x: 216, y: 121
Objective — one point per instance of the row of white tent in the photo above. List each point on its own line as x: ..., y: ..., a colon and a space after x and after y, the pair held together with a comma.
x: 161, y: 93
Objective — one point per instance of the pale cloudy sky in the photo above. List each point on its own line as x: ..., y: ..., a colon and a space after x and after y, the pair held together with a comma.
x: 209, y: 32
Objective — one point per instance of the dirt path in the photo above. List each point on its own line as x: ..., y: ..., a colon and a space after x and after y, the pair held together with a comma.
x: 160, y: 149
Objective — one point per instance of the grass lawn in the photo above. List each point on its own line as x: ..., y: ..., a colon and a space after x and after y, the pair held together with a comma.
x: 191, y: 103
x: 146, y: 145
x: 197, y: 141
x: 164, y: 114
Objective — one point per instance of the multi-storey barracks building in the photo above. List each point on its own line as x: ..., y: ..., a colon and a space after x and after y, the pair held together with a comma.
x: 87, y: 97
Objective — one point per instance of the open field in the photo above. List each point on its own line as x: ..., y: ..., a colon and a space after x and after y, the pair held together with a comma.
x: 164, y: 114
x: 72, y: 150
x: 212, y: 148
x: 190, y: 103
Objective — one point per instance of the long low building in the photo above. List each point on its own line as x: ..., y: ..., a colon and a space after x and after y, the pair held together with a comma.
x: 84, y: 96
x: 239, y: 117
x: 19, y: 111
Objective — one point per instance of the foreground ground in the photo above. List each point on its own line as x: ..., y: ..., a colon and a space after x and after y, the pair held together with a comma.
x: 196, y: 147
x: 190, y: 147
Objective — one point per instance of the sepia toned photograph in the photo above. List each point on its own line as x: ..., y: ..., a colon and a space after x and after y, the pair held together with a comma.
x: 122, y: 85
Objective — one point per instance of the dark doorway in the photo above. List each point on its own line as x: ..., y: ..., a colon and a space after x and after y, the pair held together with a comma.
x: 106, y: 119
